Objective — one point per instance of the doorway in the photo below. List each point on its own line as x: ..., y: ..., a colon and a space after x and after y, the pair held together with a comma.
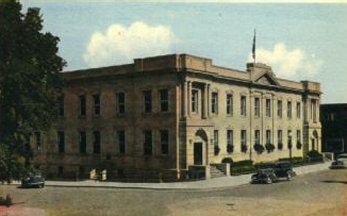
x: 198, y: 153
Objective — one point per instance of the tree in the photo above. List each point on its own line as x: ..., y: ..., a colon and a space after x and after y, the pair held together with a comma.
x: 30, y: 84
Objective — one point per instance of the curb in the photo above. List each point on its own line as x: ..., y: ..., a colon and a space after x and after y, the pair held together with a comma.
x: 215, y: 183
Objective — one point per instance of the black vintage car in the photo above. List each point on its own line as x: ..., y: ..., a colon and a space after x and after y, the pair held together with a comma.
x: 284, y: 169
x: 276, y: 171
x: 267, y: 176
x: 33, y: 181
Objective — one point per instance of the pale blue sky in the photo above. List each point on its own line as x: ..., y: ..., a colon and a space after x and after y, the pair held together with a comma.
x: 300, y: 41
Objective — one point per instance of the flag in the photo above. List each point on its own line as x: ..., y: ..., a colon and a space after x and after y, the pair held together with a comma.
x: 253, y: 48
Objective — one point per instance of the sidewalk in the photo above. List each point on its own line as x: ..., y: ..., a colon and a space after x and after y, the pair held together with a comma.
x: 213, y: 183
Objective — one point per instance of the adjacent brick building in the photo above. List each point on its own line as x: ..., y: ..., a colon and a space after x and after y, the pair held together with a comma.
x: 334, y: 127
x: 162, y: 116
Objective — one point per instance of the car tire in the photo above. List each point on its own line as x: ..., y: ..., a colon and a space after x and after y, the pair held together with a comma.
x: 289, y: 176
x: 268, y: 181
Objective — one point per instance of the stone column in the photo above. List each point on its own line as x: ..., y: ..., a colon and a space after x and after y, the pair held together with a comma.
x: 189, y: 96
x: 208, y: 93
x: 205, y: 105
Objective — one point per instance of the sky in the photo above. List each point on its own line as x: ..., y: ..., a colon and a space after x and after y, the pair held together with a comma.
x: 300, y: 41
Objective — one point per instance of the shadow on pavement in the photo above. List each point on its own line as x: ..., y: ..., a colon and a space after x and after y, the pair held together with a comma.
x: 333, y: 181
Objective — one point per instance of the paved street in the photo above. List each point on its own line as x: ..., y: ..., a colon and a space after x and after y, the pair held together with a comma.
x: 320, y: 193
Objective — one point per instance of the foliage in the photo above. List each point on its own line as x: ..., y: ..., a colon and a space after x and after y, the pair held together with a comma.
x: 269, y: 147
x: 242, y: 167
x: 258, y: 148
x: 244, y: 148
x: 227, y: 160
x: 216, y: 150
x: 29, y: 82
x: 230, y: 148
x: 314, y: 156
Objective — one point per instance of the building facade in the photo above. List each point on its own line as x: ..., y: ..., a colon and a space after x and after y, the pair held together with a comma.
x: 163, y: 116
x: 334, y: 127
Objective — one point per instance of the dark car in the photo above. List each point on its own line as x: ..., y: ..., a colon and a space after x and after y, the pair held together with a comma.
x: 284, y: 169
x: 267, y: 176
x: 33, y: 181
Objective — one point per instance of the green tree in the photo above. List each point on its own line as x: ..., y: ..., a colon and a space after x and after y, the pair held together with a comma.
x: 30, y: 84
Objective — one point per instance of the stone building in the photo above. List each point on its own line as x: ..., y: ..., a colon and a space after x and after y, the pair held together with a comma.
x: 162, y: 116
x: 334, y: 127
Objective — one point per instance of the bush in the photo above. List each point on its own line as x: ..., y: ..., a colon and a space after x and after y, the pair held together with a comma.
x: 269, y: 147
x: 258, y: 148
x: 230, y: 148
x: 314, y: 156
x: 244, y: 148
x: 263, y: 165
x: 280, y: 146
x: 227, y: 160
x: 243, y: 163
x: 242, y: 167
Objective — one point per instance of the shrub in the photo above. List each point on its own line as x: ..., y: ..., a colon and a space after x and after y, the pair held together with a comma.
x: 298, y: 145
x: 314, y: 156
x: 280, y: 146
x: 258, y: 148
x: 242, y: 167
x: 269, y: 147
x: 244, y: 148
x: 264, y: 165
x: 230, y: 148
x: 216, y: 150
x: 227, y: 160
x: 243, y: 163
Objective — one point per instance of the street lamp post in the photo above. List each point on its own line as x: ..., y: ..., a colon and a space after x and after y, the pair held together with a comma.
x: 290, y: 145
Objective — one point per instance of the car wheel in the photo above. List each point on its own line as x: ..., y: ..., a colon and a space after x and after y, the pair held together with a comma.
x: 289, y: 176
x: 268, y: 181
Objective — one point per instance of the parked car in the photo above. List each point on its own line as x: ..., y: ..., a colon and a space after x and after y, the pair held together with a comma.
x: 284, y: 169
x: 33, y: 181
x: 267, y: 176
x: 340, y: 162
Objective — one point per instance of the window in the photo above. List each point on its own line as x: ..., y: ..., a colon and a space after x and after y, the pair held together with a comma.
x: 61, y: 141
x: 96, y: 145
x: 38, y: 141
x: 298, y: 136
x: 289, y: 109
x: 230, y: 140
x: 164, y: 100
x: 243, y: 138
x: 215, y: 137
x: 243, y: 105
x: 268, y: 107
x: 96, y: 104
x: 214, y: 102
x: 279, y: 136
x: 195, y: 98
x: 83, y: 142
x: 120, y: 97
x: 147, y: 146
x: 314, y: 110
x: 147, y: 95
x: 257, y: 107
x: 298, y: 110
x: 164, y: 141
x: 229, y: 104
x: 257, y: 136
x: 279, y: 108
x: 82, y: 105
x: 121, y: 141
x: 268, y: 136
x: 61, y: 108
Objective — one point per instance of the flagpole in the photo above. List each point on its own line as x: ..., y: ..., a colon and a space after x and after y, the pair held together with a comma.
x: 254, y: 47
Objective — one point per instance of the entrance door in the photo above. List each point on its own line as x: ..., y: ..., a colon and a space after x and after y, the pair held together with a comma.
x: 198, y: 153
x: 313, y: 144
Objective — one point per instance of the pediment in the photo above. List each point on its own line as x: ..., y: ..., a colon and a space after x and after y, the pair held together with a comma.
x: 267, y: 79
